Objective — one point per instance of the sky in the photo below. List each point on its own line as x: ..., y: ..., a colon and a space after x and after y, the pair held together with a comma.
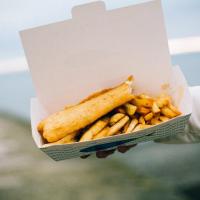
x: 181, y: 17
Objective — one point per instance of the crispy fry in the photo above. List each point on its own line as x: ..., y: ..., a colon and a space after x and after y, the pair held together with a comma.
x: 120, y: 110
x: 115, y: 128
x: 148, y: 116
x: 141, y: 127
x: 164, y: 118
x: 142, y: 102
x: 130, y: 109
x: 163, y: 100
x: 174, y: 109
x: 141, y: 120
x: 132, y: 125
x: 155, y: 121
x: 67, y: 139
x: 155, y: 108
x: 126, y: 126
x: 144, y: 96
x: 168, y: 112
x: 115, y: 118
x: 118, y: 132
x: 62, y: 123
x: 93, y: 130
x: 143, y: 110
x: 102, y: 133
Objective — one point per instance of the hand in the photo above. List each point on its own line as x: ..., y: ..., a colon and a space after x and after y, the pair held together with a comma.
x: 106, y: 153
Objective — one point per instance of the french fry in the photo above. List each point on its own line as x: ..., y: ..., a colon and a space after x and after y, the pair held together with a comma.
x: 126, y: 126
x: 130, y: 109
x: 103, y: 133
x: 141, y: 120
x: 144, y: 96
x: 168, y: 112
x: 143, y: 110
x: 164, y: 118
x: 120, y: 110
x: 174, y: 109
x: 163, y: 100
x: 148, y: 116
x: 118, y: 132
x: 132, y: 125
x: 116, y: 127
x: 155, y: 108
x: 140, y: 102
x: 94, y: 129
x: 141, y: 127
x: 67, y: 139
x: 115, y: 118
x: 155, y: 121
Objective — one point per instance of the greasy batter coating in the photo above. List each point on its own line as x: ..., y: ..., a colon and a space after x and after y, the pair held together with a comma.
x: 62, y: 123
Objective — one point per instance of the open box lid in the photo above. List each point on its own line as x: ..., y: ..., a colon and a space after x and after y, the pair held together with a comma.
x: 95, y: 49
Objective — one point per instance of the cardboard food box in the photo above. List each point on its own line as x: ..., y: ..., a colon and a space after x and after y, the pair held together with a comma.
x: 98, y: 49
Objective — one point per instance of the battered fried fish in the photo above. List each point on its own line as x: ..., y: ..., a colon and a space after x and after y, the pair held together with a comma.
x: 74, y: 118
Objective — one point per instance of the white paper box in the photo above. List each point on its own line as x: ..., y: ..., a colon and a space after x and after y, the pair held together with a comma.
x: 98, y: 49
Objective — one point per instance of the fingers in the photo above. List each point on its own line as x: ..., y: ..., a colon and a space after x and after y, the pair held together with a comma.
x: 123, y: 149
x: 85, y: 156
x: 104, y: 154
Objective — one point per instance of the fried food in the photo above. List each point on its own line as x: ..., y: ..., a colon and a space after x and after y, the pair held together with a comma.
x: 116, y: 127
x: 148, y: 116
x: 142, y: 102
x: 166, y: 111
x: 67, y: 139
x: 102, y: 133
x: 130, y: 109
x: 132, y: 125
x: 126, y: 126
x: 155, y: 108
x: 106, y: 113
x: 121, y: 110
x: 94, y: 129
x: 164, y: 118
x: 141, y: 127
x: 163, y: 100
x: 141, y: 120
x: 62, y: 123
x: 115, y: 118
x: 155, y: 121
x: 174, y: 109
x: 143, y: 110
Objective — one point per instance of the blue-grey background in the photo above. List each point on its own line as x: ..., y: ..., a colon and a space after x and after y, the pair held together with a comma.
x: 149, y: 171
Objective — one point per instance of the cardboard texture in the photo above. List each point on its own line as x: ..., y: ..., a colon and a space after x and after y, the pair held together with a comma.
x: 99, y: 49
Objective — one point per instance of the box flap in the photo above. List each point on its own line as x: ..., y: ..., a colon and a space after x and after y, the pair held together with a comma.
x: 96, y: 49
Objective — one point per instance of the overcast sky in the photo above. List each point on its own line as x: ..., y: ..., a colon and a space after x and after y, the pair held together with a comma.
x: 182, y: 18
